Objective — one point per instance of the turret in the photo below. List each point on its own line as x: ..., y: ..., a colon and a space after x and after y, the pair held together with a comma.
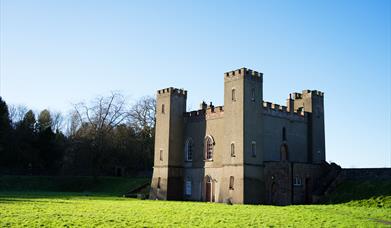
x: 243, y: 96
x: 312, y: 101
x: 167, y: 178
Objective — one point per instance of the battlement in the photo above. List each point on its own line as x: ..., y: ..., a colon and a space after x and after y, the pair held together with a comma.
x: 195, y: 113
x: 306, y: 93
x: 245, y: 73
x: 171, y: 90
x: 271, y: 107
x: 206, y: 112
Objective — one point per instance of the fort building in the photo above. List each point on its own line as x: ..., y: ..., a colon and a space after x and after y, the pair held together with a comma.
x: 247, y: 151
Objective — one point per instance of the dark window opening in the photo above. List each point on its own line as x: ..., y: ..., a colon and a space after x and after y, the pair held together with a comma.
x: 231, y: 183
x: 232, y: 150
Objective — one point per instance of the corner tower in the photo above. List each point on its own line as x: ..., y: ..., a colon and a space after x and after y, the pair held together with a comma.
x: 243, y: 96
x: 312, y: 101
x: 167, y: 180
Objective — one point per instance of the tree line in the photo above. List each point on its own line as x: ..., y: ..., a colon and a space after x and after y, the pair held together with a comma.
x: 105, y: 136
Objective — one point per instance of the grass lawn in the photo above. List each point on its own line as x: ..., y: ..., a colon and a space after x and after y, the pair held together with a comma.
x: 69, y: 210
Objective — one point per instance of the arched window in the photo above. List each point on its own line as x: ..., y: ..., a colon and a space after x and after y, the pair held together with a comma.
x: 233, y: 95
x: 283, y: 134
x: 232, y: 149
x: 208, y: 148
x: 189, y: 150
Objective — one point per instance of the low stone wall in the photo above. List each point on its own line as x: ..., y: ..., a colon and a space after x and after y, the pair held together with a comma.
x: 367, y: 174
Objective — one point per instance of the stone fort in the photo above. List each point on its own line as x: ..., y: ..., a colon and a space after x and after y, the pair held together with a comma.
x: 248, y: 151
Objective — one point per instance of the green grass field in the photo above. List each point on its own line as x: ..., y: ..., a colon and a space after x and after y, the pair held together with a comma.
x: 66, y: 210
x: 46, y: 208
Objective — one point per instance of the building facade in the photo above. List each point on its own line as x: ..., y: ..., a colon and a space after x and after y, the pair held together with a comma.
x: 247, y: 151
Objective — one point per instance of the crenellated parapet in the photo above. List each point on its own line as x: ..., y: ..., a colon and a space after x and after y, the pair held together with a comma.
x: 282, y: 111
x: 173, y: 91
x: 209, y: 112
x: 306, y: 93
x: 243, y: 72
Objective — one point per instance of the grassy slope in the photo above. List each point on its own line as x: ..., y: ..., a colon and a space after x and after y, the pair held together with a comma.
x: 66, y: 210
x: 369, y: 193
x: 101, y: 185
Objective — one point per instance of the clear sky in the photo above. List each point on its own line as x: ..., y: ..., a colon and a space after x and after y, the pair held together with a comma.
x: 55, y: 53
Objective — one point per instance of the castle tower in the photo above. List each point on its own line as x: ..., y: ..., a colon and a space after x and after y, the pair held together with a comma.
x: 243, y: 96
x: 313, y: 102
x: 167, y: 180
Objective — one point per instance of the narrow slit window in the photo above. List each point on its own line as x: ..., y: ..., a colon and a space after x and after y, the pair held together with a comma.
x: 161, y: 155
x: 232, y: 149
x: 283, y: 134
x: 158, y: 183
x: 253, y: 94
x: 253, y: 148
x: 233, y: 95
x: 163, y: 108
x: 231, y: 183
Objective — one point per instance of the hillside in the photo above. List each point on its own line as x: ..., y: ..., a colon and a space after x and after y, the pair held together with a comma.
x: 372, y: 193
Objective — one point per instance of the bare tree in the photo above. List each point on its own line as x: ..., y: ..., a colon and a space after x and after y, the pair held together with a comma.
x: 57, y: 121
x: 142, y: 114
x: 97, y: 120
x: 17, y: 112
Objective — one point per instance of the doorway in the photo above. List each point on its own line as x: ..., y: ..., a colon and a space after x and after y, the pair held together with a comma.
x: 209, y: 193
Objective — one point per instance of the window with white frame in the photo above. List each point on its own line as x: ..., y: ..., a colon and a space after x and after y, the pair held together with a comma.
x: 208, y: 148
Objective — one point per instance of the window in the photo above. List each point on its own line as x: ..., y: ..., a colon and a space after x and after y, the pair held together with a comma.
x: 283, y: 134
x: 208, y: 148
x: 297, y: 181
x: 233, y: 95
x: 188, y: 187
x: 189, y: 150
x: 231, y: 183
x: 284, y: 152
x: 253, y: 94
x: 158, y: 183
x: 161, y: 154
x: 253, y: 148
x: 232, y: 150
x: 162, y: 108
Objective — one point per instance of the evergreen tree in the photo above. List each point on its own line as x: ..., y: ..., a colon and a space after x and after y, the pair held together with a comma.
x: 5, y: 131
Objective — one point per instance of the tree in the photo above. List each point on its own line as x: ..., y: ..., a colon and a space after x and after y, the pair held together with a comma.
x: 142, y: 115
x: 17, y: 113
x: 44, y: 121
x: 5, y: 131
x: 142, y: 119
x: 97, y: 120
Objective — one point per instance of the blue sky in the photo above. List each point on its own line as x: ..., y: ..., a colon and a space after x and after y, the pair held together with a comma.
x: 55, y: 53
